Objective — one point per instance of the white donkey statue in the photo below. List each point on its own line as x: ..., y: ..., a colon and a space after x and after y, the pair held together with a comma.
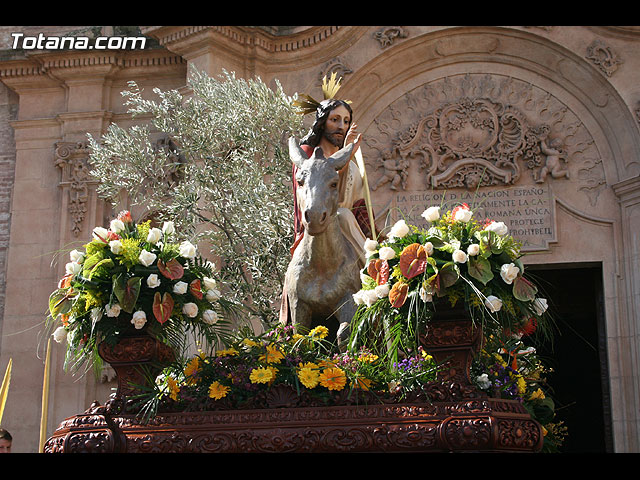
x: 324, y: 272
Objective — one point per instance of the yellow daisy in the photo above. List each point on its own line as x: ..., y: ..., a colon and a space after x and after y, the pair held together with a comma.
x: 309, y: 374
x: 261, y: 375
x: 362, y: 383
x: 333, y: 378
x: 228, y: 352
x: 217, y: 390
x: 319, y: 332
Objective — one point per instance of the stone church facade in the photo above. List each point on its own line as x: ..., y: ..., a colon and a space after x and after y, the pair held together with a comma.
x: 537, y: 126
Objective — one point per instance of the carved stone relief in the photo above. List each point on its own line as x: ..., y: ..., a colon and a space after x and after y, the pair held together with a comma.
x: 71, y: 158
x: 387, y: 35
x: 473, y: 132
x: 603, y: 57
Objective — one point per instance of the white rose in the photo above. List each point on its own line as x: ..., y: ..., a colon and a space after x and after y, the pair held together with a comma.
x: 73, y: 268
x: 153, y: 281
x: 180, y: 288
x: 483, y: 381
x: 424, y: 296
x: 382, y: 290
x: 190, y: 309
x: 115, y: 246
x: 100, y: 233
x: 210, y: 317
x: 498, y: 227
x: 540, y: 305
x: 428, y: 247
x: 459, y: 256
x: 187, y: 250
x: 76, y: 256
x: 463, y: 215
x: 116, y: 225
x: 168, y: 228
x: 154, y: 236
x: 370, y: 246
x: 139, y: 319
x: 59, y: 335
x: 358, y: 297
x: 399, y: 230
x: 370, y: 297
x: 212, y: 295
x: 147, y: 258
x: 509, y: 272
x: 493, y: 303
x: 209, y: 283
x: 473, y: 249
x: 112, y: 310
x: 387, y: 253
x: 431, y: 214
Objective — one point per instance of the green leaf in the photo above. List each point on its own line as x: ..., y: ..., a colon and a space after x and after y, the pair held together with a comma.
x: 106, y: 263
x: 59, y: 302
x: 480, y: 269
x: 127, y: 291
x: 524, y: 290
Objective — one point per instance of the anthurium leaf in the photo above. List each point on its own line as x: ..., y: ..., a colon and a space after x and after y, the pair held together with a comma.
x: 480, y: 269
x: 59, y: 302
x: 172, y: 269
x: 127, y: 291
x: 449, y: 274
x: 105, y: 263
x: 524, y: 290
x: 162, y: 306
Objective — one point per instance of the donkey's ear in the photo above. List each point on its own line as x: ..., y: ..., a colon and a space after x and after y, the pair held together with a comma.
x: 296, y: 154
x: 341, y: 157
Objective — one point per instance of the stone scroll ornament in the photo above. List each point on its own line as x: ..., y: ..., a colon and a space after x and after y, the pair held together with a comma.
x: 470, y: 143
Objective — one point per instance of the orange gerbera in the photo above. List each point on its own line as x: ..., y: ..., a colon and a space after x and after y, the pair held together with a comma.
x: 333, y: 378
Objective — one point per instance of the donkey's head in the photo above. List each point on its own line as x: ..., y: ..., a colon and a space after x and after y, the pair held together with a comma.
x: 317, y: 179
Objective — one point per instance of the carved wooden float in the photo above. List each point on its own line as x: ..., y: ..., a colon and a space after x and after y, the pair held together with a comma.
x: 457, y: 417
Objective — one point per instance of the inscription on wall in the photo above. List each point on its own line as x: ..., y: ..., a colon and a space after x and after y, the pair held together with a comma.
x: 528, y: 211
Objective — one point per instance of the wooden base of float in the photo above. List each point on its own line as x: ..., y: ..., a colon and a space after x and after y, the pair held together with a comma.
x: 457, y: 418
x: 480, y: 425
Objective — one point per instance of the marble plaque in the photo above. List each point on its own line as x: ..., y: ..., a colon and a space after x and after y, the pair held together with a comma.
x: 527, y: 210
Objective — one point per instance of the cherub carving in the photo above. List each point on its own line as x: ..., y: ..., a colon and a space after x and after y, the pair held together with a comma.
x: 555, y: 162
x: 395, y: 172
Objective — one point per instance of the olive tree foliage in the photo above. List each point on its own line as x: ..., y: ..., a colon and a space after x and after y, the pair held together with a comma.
x: 224, y: 177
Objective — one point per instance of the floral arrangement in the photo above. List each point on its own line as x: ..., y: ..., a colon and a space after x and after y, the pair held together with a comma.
x: 509, y: 368
x: 457, y: 260
x: 129, y: 278
x: 251, y: 367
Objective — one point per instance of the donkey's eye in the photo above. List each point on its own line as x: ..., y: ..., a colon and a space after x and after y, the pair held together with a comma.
x: 334, y: 185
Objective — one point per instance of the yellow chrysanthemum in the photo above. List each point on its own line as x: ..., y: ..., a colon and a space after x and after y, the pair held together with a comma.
x: 272, y: 355
x: 368, y: 358
x: 218, y: 391
x: 319, y: 332
x: 333, y: 378
x: 309, y: 374
x: 537, y: 395
x: 228, y: 352
x: 191, y: 369
x: 297, y: 337
x: 261, y: 375
x: 522, y: 384
x: 174, y: 389
x: 249, y: 343
x: 325, y: 363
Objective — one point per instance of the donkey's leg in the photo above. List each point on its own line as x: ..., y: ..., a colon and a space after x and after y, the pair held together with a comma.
x: 300, y: 313
x: 345, y: 314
